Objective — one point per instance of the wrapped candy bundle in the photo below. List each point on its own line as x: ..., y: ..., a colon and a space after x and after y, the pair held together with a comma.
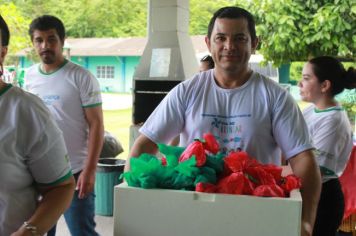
x: 202, y: 168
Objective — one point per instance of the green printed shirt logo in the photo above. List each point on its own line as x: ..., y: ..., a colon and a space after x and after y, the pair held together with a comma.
x: 94, y: 93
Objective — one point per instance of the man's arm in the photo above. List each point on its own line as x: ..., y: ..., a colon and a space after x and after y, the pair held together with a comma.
x: 86, y: 180
x: 142, y: 145
x: 305, y: 166
x: 55, y: 200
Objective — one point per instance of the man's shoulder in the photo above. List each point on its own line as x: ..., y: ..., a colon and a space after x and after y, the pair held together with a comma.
x: 268, y: 85
x: 74, y: 66
x: 258, y: 77
x: 27, y: 101
x: 198, y: 79
x: 77, y: 69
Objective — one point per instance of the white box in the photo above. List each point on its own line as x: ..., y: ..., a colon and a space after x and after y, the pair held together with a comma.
x: 162, y: 212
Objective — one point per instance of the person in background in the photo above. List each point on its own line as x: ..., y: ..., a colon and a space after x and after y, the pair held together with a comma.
x: 73, y: 96
x: 33, y: 160
x: 243, y: 109
x: 322, y: 79
x: 206, y: 63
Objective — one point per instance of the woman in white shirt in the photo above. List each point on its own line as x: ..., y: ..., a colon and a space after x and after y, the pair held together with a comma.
x: 322, y: 79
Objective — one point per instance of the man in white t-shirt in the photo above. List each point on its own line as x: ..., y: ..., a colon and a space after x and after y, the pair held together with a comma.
x: 33, y: 160
x: 73, y: 96
x: 242, y: 109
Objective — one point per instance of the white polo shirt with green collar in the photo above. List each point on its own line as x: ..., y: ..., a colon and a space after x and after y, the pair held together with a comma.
x: 331, y: 133
x: 32, y: 152
x: 67, y: 92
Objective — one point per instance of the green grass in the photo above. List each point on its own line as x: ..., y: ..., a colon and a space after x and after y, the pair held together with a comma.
x: 118, y: 122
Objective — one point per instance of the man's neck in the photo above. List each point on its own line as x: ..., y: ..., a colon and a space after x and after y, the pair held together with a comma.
x: 49, y: 68
x: 228, y: 80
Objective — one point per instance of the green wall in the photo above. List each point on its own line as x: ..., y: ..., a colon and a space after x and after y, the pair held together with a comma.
x: 124, y: 68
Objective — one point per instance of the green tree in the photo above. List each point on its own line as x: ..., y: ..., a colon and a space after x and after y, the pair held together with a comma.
x: 92, y: 18
x: 202, y: 11
x: 111, y: 18
x: 17, y: 24
x: 295, y: 30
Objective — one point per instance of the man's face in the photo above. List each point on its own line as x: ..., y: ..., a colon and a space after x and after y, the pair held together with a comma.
x: 230, y: 44
x: 48, y: 46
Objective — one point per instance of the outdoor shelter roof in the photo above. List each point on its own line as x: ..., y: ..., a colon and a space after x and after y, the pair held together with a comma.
x: 132, y: 46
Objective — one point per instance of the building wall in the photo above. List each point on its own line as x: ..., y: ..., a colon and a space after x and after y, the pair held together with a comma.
x: 124, y: 68
x: 131, y: 64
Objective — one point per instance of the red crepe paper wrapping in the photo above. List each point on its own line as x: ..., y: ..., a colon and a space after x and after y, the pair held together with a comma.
x: 269, y: 190
x: 194, y: 149
x: 202, y: 168
x: 210, y: 143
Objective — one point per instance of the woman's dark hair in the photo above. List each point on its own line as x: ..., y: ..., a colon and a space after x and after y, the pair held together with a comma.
x: 209, y: 60
x: 5, y: 33
x: 233, y: 13
x: 47, y: 22
x: 330, y: 68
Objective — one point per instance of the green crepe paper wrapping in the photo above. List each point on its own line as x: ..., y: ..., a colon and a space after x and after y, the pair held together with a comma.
x: 207, y: 175
x: 215, y: 162
x: 147, y: 170
x: 172, y: 153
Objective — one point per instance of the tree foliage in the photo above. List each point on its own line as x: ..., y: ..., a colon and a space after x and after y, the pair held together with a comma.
x: 202, y: 11
x: 295, y: 30
x: 18, y: 28
x: 93, y: 18
x: 290, y: 30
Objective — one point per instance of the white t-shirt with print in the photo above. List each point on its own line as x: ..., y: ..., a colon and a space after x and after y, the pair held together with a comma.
x: 258, y: 117
x: 32, y: 150
x: 66, y: 92
x: 331, y: 133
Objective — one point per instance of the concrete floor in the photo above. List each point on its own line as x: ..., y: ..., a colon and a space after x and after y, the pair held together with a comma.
x: 104, y: 226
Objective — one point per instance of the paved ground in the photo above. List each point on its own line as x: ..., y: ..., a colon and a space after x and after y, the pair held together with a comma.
x: 104, y: 226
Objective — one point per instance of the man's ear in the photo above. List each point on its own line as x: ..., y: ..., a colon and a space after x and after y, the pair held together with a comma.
x: 254, y: 45
x: 207, y: 42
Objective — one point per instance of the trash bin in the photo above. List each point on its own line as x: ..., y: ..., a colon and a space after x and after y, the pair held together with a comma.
x: 107, y: 176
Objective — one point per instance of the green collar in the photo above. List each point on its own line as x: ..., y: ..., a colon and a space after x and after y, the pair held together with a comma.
x: 316, y: 110
x: 60, y: 67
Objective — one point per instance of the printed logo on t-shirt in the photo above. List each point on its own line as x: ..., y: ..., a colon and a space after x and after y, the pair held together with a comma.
x: 227, y: 130
x: 50, y: 99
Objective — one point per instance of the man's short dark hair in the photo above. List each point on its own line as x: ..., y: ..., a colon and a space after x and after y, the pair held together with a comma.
x: 5, y: 33
x: 47, y: 22
x: 233, y: 13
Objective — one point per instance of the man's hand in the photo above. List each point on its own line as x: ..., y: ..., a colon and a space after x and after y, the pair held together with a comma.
x: 85, y: 183
x: 307, y: 229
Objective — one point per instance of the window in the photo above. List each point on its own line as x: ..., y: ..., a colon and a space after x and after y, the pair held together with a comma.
x: 105, y: 72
